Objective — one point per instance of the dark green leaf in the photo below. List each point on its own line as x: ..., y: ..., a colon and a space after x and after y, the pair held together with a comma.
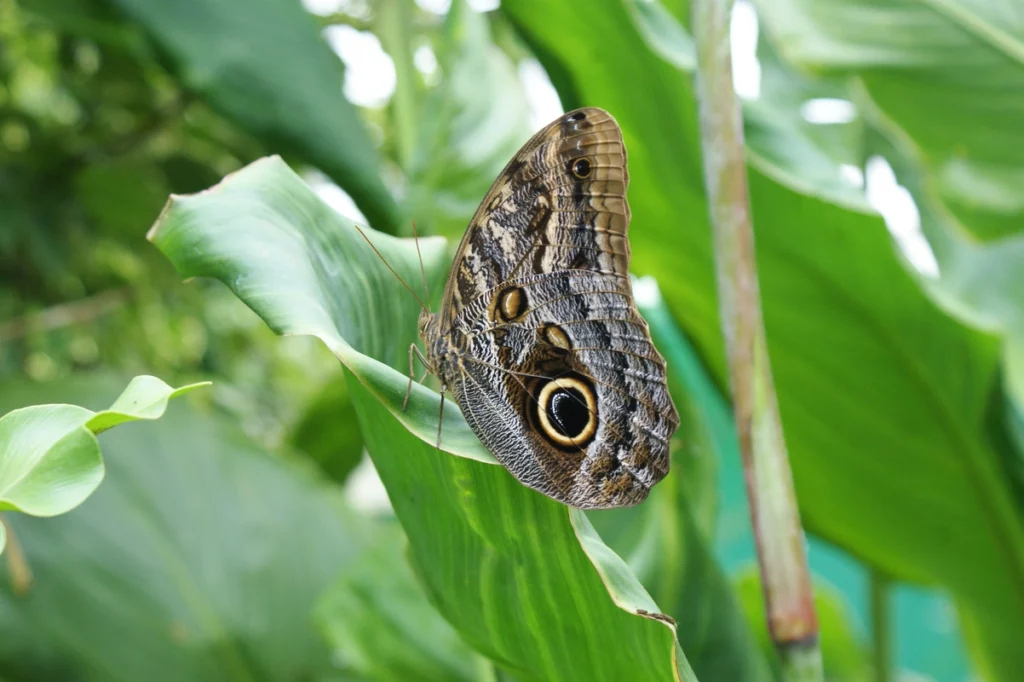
x: 263, y: 64
x: 328, y: 431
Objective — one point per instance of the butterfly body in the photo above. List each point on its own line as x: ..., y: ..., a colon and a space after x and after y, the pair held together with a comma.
x: 538, y: 339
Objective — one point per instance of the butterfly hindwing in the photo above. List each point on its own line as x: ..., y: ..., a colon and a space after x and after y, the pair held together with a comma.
x: 539, y: 339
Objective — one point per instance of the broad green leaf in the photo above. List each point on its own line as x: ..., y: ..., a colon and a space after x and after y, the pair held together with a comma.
x: 471, y: 125
x: 50, y: 459
x: 263, y: 64
x: 877, y: 386
x: 338, y: 289
x: 505, y: 566
x: 946, y: 87
x: 199, y: 558
x: 378, y: 621
x: 502, y: 563
x: 948, y: 75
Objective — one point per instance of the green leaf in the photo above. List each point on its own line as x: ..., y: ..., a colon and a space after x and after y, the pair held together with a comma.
x: 200, y: 558
x: 876, y: 385
x: 471, y: 124
x: 947, y: 75
x: 50, y: 459
x: 145, y: 398
x: 501, y: 562
x: 337, y: 289
x: 378, y: 620
x: 263, y: 64
x: 542, y: 606
x: 945, y: 90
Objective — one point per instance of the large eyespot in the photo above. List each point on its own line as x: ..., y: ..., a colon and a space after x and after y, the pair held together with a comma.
x: 511, y: 303
x: 580, y: 168
x: 577, y: 116
x: 567, y: 411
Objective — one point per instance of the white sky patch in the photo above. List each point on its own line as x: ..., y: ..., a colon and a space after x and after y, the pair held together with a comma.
x: 901, y: 216
x: 645, y: 291
x: 540, y: 93
x: 852, y: 174
x: 484, y: 5
x: 364, y: 490
x: 334, y: 196
x: 439, y: 7
x: 425, y: 60
x: 369, y: 70
x: 746, y: 69
x: 323, y: 7
x: 826, y: 110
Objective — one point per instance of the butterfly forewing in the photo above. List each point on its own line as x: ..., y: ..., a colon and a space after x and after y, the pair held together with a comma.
x: 538, y: 337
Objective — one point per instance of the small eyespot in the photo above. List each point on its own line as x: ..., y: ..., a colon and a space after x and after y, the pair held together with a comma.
x: 580, y: 168
x: 578, y: 116
x: 567, y: 411
x: 511, y: 303
x: 556, y: 336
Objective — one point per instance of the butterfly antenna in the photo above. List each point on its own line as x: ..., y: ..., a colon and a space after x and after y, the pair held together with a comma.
x: 385, y: 261
x: 423, y: 272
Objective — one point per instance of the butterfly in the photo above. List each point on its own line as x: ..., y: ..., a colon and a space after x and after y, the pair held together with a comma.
x: 538, y: 338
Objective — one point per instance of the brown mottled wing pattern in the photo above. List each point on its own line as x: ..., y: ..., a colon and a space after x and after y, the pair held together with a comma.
x: 538, y: 337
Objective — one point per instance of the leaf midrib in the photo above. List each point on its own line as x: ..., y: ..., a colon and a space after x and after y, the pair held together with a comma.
x: 971, y: 22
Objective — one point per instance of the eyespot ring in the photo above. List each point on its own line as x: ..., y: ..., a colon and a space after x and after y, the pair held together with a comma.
x: 580, y: 168
x: 569, y: 395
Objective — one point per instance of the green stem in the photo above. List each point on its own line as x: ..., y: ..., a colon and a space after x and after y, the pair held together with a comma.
x: 18, y: 568
x: 394, y: 19
x: 789, y: 603
x: 881, y: 627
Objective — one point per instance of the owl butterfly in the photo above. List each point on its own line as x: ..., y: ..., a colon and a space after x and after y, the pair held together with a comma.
x: 538, y: 338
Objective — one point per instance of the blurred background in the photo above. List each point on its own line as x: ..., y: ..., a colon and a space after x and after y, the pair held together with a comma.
x: 393, y: 111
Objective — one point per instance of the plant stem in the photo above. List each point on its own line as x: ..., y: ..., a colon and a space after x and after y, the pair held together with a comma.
x: 65, y: 314
x: 789, y: 602
x: 394, y: 21
x: 880, y: 627
x: 17, y: 565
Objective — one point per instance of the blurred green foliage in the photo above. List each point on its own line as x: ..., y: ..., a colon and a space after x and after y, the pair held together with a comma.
x: 203, y: 556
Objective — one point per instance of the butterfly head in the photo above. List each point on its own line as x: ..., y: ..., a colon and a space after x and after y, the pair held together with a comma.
x: 427, y: 324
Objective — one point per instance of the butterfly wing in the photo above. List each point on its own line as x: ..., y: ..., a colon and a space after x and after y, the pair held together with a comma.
x: 538, y: 337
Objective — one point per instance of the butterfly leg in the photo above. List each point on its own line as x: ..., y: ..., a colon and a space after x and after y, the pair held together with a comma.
x: 440, y: 417
x: 414, y: 350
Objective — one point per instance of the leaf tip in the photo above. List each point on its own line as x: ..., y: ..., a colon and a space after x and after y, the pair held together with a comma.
x: 151, y: 234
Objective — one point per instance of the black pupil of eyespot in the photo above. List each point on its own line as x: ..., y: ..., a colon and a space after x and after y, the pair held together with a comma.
x: 581, y: 167
x: 568, y: 412
x: 578, y: 116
